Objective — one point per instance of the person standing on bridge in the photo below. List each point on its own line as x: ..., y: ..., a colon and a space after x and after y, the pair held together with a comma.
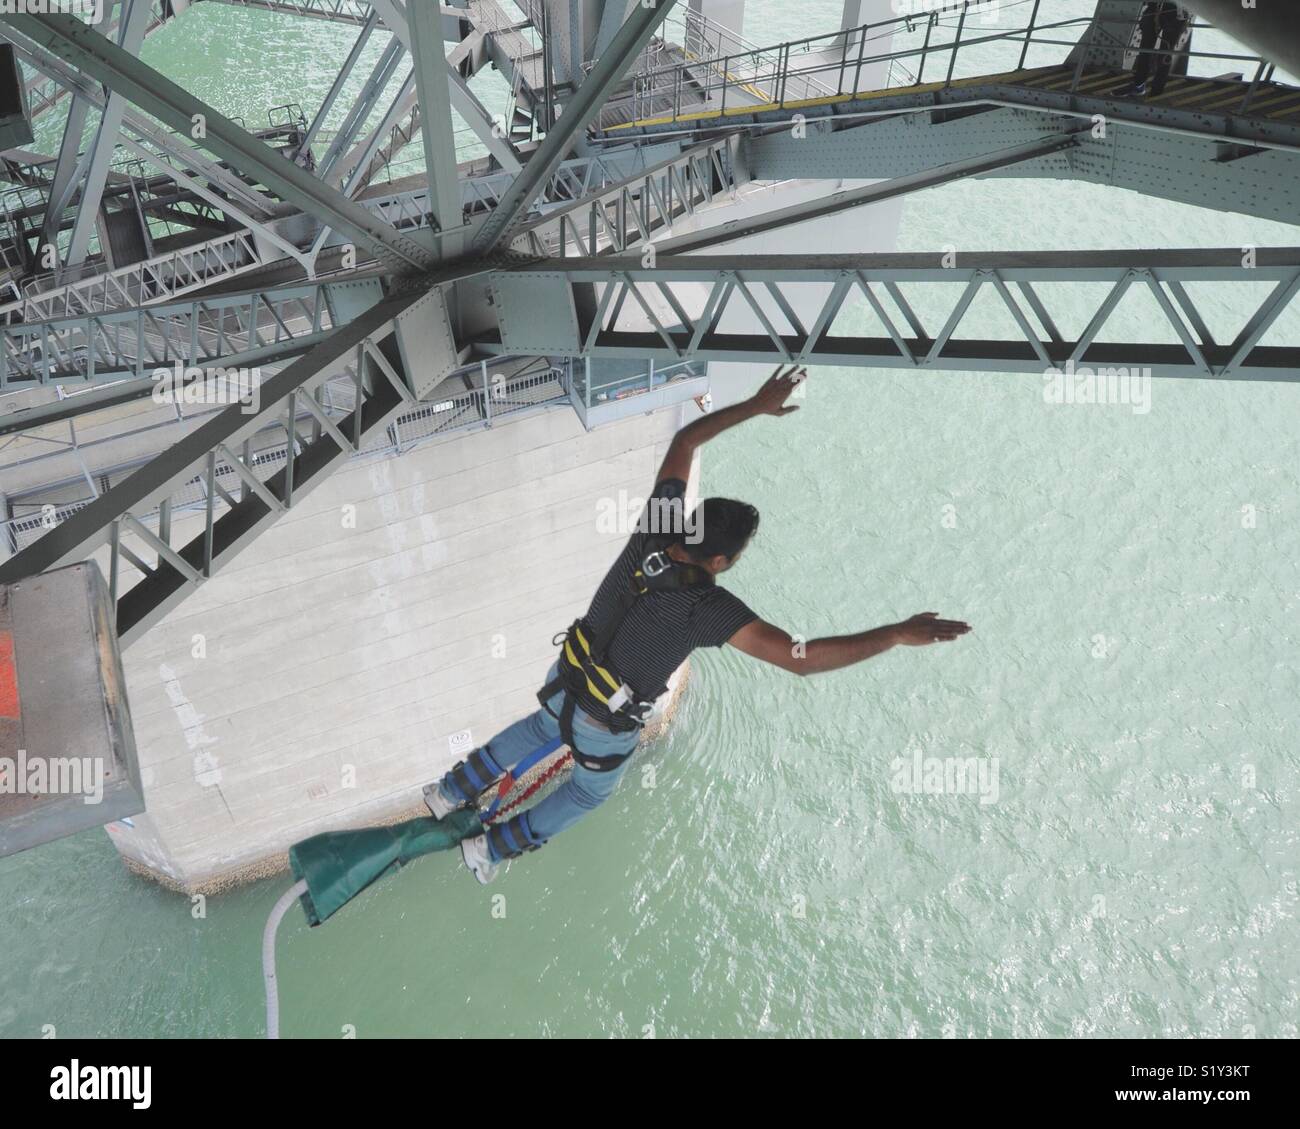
x: 658, y: 602
x: 1164, y: 22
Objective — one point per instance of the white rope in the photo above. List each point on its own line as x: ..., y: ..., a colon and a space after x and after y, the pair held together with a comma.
x: 268, y: 955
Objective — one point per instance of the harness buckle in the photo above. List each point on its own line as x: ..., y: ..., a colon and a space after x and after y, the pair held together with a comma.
x: 656, y: 564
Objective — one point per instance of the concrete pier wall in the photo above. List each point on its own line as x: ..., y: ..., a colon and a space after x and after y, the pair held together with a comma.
x: 337, y: 665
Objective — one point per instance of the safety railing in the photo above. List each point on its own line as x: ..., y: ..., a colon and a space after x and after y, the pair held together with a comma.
x: 606, y: 381
x: 937, y: 47
x: 519, y: 38
x: 490, y: 396
x: 111, y: 345
x: 341, y: 11
x: 571, y: 181
x: 152, y: 280
x: 636, y: 208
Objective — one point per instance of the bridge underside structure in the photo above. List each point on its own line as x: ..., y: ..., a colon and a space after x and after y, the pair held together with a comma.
x: 403, y: 259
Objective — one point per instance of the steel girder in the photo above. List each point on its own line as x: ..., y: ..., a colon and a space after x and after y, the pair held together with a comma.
x: 1167, y: 165
x: 134, y: 16
x: 70, y: 79
x: 1235, y: 115
x: 593, y: 305
x: 639, y: 207
x: 597, y: 182
x: 357, y: 349
x: 442, y: 159
x: 1001, y: 159
x: 578, y: 113
x: 97, y: 348
x: 680, y: 307
x: 369, y: 351
x: 153, y: 92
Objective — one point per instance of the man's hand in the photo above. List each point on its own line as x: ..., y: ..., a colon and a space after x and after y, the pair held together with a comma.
x: 770, y: 399
x: 928, y: 628
x: 767, y: 401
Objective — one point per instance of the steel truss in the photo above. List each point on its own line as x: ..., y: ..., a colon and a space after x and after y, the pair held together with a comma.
x: 222, y: 329
x: 678, y: 309
x: 575, y: 282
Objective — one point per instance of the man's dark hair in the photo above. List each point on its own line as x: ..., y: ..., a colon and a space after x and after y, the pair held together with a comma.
x: 719, y: 525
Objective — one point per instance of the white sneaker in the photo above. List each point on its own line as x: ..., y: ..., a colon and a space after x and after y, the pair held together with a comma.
x: 475, y: 853
x: 437, y: 803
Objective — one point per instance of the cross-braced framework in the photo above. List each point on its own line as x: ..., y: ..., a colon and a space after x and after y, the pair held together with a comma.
x: 580, y: 247
x: 685, y: 308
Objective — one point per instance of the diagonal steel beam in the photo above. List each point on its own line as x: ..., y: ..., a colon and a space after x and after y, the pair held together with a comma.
x: 135, y: 15
x: 579, y: 112
x: 359, y: 112
x: 434, y: 95
x: 340, y: 80
x: 154, y: 93
x: 69, y: 170
x: 75, y: 82
x: 885, y: 190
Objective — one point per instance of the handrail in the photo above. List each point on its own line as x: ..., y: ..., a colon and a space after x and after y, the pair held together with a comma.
x: 767, y: 76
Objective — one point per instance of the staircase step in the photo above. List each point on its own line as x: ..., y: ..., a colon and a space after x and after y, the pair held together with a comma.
x: 1283, y: 111
x: 1040, y: 80
x: 1195, y: 94
x: 1104, y: 84
x: 1268, y: 98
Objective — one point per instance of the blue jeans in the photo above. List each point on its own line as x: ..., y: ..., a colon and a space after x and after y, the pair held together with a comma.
x: 583, y: 790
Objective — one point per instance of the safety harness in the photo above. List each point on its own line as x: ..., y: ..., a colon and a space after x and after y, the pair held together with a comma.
x: 585, y: 676
x: 588, y: 682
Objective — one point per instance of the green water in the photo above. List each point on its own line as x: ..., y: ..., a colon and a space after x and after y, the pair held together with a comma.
x: 1127, y: 881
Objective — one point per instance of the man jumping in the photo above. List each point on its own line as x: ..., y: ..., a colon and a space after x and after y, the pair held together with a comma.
x: 656, y: 604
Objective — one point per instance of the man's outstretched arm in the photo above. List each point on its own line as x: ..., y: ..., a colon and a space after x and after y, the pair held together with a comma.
x: 764, y: 641
x: 769, y: 400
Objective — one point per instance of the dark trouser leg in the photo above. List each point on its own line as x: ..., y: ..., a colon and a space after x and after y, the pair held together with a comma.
x: 1150, y: 32
x: 1171, y: 30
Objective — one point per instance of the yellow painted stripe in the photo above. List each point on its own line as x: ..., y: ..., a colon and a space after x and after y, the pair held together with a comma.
x: 1176, y: 86
x: 1042, y: 76
x: 1260, y: 103
x: 1101, y: 82
x: 1276, y: 102
x: 1224, y: 100
x: 1200, y: 94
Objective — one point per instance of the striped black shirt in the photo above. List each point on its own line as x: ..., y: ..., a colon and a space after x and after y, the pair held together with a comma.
x: 662, y: 628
